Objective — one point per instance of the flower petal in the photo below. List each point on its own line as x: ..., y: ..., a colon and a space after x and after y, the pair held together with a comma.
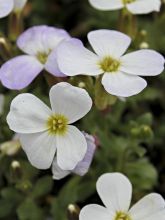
x: 71, y: 148
x: 83, y: 166
x: 143, y: 63
x: 41, y: 39
x: 109, y: 43
x: 122, y: 84
x: 51, y: 65
x: 107, y: 4
x: 19, y: 72
x: 40, y: 148
x: 144, y: 6
x: 19, y: 4
x: 159, y: 215
x: 115, y: 190
x: 58, y: 173
x: 28, y: 114
x: 74, y: 59
x: 147, y: 207
x: 6, y: 6
x: 95, y: 212
x: 71, y: 101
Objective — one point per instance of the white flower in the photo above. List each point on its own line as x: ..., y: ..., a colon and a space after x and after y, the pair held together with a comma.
x: 7, y: 6
x: 44, y: 132
x: 134, y: 6
x: 120, y: 72
x: 115, y: 190
x: 82, y: 167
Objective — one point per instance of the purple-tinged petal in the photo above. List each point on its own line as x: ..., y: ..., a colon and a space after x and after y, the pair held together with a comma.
x: 83, y: 166
x: 51, y: 65
x: 20, y: 71
x: 6, y: 6
x: 41, y: 39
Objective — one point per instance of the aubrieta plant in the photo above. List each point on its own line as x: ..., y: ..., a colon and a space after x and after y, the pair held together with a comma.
x: 74, y: 109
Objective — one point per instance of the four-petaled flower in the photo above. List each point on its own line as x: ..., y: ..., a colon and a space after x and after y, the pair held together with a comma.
x: 82, y: 167
x: 7, y: 6
x: 133, y: 6
x: 44, y: 132
x: 120, y: 72
x: 115, y: 190
x: 39, y: 43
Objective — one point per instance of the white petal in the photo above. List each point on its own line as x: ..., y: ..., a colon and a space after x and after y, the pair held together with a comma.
x: 115, y: 191
x: 159, y: 215
x: 144, y: 6
x: 6, y: 7
x: 40, y: 148
x: 58, y: 173
x: 109, y: 43
x: 19, y: 4
x: 71, y: 148
x: 107, y: 4
x: 28, y: 114
x: 122, y: 84
x: 147, y: 207
x: 74, y: 59
x: 95, y: 212
x: 143, y: 63
x: 71, y: 101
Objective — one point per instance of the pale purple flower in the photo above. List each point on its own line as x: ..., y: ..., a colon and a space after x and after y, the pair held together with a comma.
x: 82, y: 167
x: 120, y: 73
x: 133, y: 6
x: 39, y: 43
x: 7, y: 6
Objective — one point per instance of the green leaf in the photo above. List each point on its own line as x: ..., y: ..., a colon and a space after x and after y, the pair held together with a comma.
x: 29, y: 211
x: 43, y: 186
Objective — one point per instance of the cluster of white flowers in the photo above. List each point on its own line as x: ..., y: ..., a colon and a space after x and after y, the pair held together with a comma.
x: 47, y: 134
x: 133, y: 6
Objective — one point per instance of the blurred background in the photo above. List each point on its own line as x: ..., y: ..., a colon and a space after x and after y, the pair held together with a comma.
x: 130, y: 134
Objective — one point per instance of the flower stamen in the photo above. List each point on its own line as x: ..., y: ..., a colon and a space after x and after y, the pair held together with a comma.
x: 127, y: 1
x: 122, y: 216
x: 57, y: 124
x: 109, y: 64
x: 42, y: 57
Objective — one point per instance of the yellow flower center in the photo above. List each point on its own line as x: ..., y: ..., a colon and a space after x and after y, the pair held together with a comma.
x: 128, y: 1
x: 122, y: 216
x: 108, y: 64
x: 42, y: 57
x: 57, y: 124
